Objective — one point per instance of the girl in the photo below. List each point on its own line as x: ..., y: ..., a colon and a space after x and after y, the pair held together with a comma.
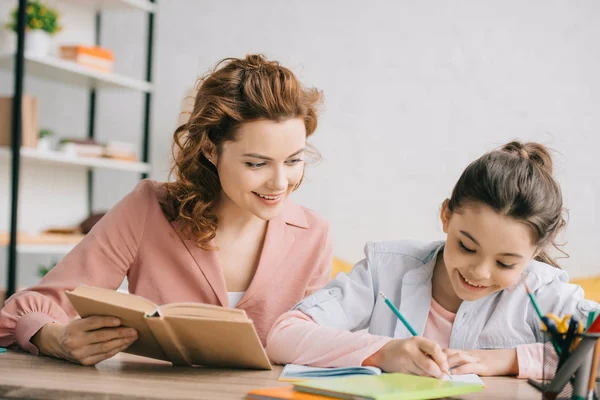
x: 464, y: 295
x: 224, y: 232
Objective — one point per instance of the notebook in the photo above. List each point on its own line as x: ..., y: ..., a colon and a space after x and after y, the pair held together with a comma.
x: 183, y: 333
x: 386, y: 387
x: 296, y: 373
x: 282, y: 393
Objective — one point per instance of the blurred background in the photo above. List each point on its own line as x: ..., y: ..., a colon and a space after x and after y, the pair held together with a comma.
x: 414, y: 91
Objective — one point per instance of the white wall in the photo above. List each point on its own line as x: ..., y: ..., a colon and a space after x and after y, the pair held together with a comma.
x: 413, y: 92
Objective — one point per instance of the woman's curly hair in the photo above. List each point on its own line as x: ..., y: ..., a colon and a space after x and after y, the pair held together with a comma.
x: 235, y: 92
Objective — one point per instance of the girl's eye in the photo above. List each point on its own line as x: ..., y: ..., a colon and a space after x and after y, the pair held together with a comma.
x: 502, y: 265
x: 465, y: 248
x: 294, y: 161
x: 253, y: 165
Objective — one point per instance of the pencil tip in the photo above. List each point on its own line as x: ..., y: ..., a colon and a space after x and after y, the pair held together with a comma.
x: 527, y: 287
x: 381, y: 294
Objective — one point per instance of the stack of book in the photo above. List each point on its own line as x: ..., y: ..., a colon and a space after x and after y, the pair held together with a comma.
x: 90, y: 56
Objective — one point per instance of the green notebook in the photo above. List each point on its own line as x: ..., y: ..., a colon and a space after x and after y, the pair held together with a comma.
x: 386, y: 387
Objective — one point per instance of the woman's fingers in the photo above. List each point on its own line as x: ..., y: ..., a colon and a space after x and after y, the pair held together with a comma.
x: 95, y: 359
x: 94, y: 322
x: 108, y: 334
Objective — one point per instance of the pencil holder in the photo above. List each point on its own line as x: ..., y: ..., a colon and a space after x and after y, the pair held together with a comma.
x: 574, y: 376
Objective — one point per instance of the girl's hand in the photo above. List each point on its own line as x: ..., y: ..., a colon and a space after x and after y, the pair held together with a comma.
x: 85, y: 341
x: 417, y: 355
x: 483, y: 362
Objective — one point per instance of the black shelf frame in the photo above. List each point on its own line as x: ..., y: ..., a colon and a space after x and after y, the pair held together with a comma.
x: 19, y: 76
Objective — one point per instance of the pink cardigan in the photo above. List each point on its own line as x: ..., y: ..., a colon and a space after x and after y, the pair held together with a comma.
x: 134, y: 239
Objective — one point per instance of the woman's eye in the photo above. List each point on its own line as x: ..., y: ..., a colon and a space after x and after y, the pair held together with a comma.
x: 294, y: 161
x: 465, y: 248
x: 502, y: 265
x: 254, y: 165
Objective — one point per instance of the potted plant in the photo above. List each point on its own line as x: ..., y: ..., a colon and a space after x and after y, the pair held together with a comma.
x: 44, y: 269
x: 45, y: 141
x: 40, y: 23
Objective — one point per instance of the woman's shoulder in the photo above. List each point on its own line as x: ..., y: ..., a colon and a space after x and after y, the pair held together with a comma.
x: 145, y: 197
x: 148, y: 190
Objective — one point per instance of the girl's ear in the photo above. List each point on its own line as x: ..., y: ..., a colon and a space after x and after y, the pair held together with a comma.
x: 445, y: 215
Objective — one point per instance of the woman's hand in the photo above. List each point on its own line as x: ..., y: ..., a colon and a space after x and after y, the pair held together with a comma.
x: 417, y: 355
x: 483, y: 362
x: 85, y: 341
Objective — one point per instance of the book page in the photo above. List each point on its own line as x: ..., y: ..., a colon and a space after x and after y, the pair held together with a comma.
x: 465, y: 378
x: 295, y: 372
x: 200, y: 310
x: 112, y: 297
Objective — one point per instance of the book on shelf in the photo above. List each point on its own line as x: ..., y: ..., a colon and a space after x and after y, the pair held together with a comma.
x: 182, y: 333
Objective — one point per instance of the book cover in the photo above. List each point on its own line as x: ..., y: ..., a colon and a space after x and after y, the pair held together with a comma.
x: 182, y: 333
x: 387, y: 387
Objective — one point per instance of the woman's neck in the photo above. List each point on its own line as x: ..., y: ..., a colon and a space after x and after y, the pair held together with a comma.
x: 442, y: 290
x: 234, y: 222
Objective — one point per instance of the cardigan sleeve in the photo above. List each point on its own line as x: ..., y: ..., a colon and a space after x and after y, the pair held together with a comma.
x: 101, y: 259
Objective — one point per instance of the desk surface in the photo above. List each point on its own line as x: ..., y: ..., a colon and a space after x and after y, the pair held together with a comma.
x: 130, y: 377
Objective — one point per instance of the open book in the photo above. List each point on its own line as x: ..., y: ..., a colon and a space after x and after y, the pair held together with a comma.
x: 183, y: 333
x: 296, y: 373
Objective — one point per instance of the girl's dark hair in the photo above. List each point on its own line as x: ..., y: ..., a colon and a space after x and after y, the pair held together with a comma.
x: 237, y: 91
x: 516, y: 181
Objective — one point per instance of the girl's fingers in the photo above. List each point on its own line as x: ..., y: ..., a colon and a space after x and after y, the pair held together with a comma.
x: 427, y: 366
x: 435, y: 352
x: 459, y: 359
x: 469, y: 368
x: 449, y: 352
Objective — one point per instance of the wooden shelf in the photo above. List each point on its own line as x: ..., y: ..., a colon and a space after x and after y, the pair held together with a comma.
x: 46, y: 243
x: 106, y: 5
x: 57, y: 157
x: 57, y: 69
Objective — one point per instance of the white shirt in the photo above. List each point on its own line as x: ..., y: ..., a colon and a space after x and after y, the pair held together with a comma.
x: 234, y: 298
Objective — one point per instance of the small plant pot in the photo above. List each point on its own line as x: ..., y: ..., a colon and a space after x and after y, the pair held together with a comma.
x: 38, y: 43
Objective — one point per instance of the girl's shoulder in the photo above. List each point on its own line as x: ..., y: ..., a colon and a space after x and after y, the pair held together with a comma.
x: 421, y: 252
x: 538, y: 275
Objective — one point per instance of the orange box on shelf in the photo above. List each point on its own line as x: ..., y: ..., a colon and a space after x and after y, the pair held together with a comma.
x: 90, y: 56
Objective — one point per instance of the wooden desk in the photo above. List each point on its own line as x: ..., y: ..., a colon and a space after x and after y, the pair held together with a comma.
x: 129, y: 377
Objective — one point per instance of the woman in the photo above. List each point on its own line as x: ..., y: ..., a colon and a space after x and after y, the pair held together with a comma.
x: 224, y: 232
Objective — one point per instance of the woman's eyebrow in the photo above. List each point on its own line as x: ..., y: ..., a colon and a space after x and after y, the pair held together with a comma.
x: 256, y: 155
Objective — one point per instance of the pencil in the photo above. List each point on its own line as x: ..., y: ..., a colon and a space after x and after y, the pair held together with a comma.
x: 534, y: 302
x: 404, y: 321
x: 397, y: 312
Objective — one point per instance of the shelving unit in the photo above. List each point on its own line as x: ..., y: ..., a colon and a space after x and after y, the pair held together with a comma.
x: 44, y: 243
x: 57, y: 157
x: 143, y: 5
x: 69, y: 73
